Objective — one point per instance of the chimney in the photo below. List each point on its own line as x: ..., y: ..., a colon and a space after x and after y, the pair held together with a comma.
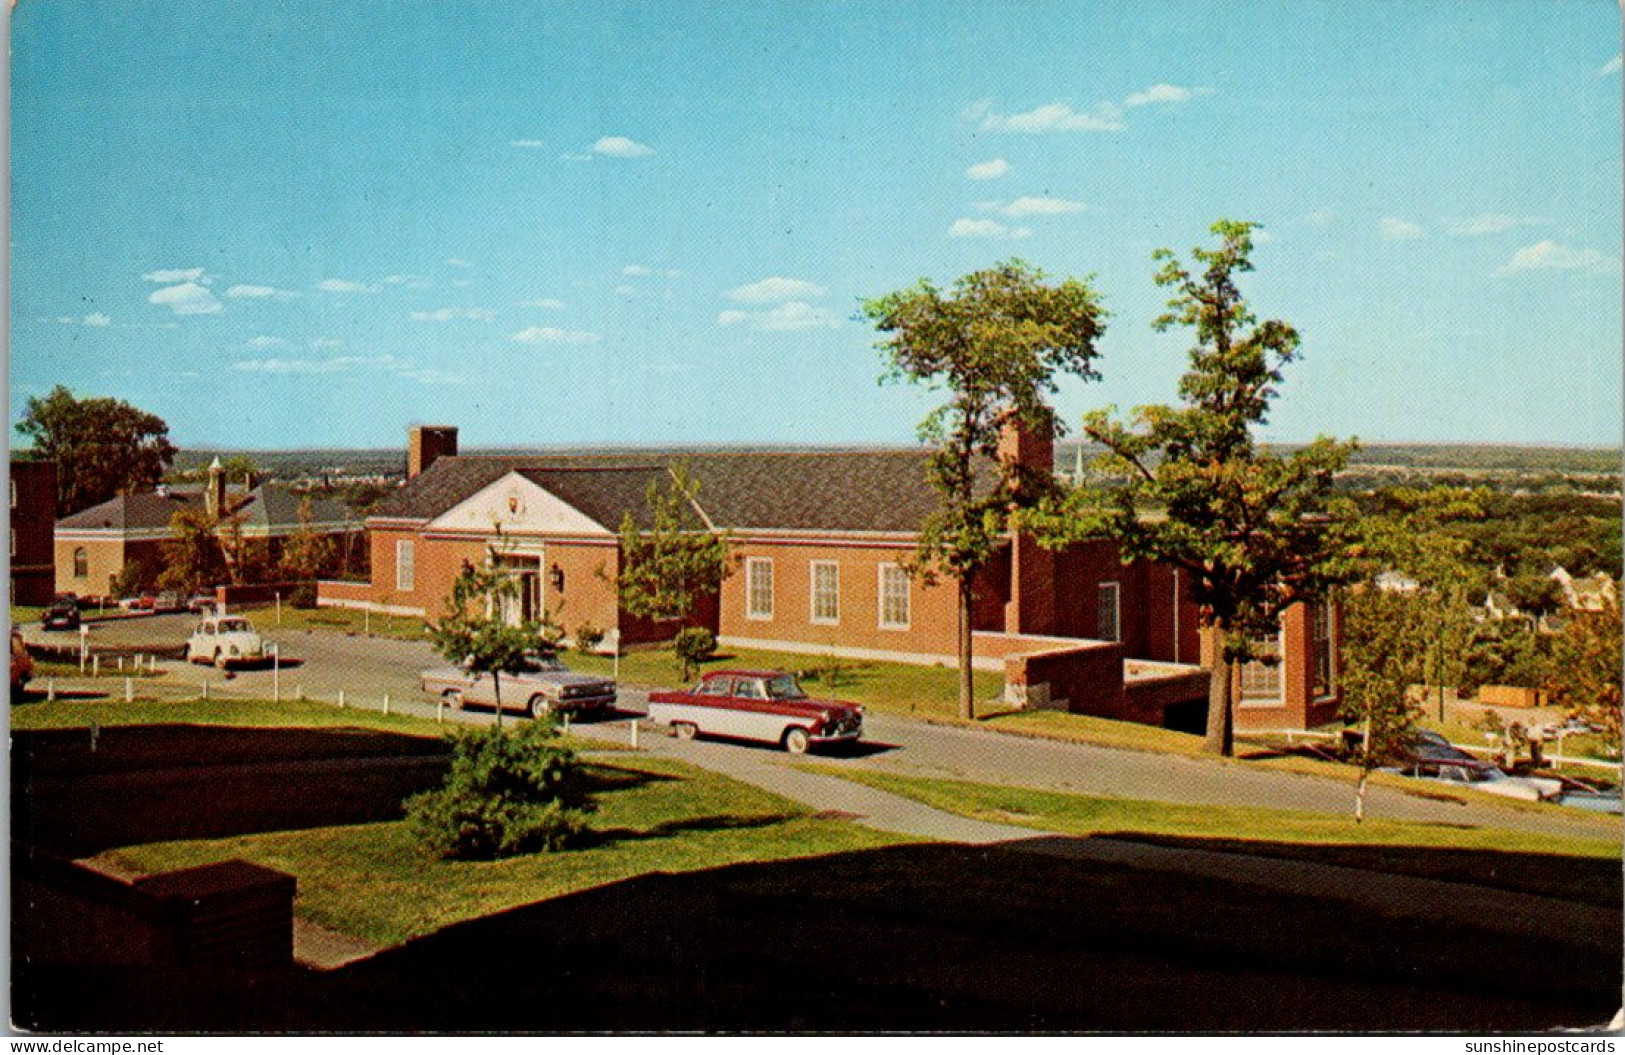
x: 1031, y: 448
x: 214, y: 495
x: 426, y: 444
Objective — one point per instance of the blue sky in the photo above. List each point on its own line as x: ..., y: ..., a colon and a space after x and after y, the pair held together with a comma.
x: 312, y: 224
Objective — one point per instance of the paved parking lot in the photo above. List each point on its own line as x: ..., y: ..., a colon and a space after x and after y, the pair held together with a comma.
x: 322, y: 663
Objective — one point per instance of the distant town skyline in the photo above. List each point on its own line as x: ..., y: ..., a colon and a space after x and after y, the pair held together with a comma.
x: 308, y: 225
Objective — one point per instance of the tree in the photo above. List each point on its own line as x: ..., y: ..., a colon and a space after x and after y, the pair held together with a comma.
x: 472, y: 633
x: 1585, y: 676
x: 994, y: 344
x: 193, y: 556
x: 1535, y: 595
x: 1384, y: 651
x: 102, y: 447
x: 306, y: 553
x: 666, y: 568
x: 1254, y: 531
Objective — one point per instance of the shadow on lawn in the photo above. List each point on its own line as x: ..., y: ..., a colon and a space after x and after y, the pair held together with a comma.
x: 911, y: 937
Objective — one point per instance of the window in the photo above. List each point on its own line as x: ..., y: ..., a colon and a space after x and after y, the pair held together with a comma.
x: 406, y: 569
x: 758, y: 588
x: 716, y: 687
x: 1261, y: 677
x: 81, y: 563
x: 1321, y: 659
x: 893, y: 598
x: 826, y: 592
x: 1108, y: 624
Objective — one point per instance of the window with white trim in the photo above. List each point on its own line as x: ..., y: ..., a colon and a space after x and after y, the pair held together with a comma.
x: 894, y: 614
x: 406, y: 564
x: 1108, y: 613
x: 1322, y: 661
x: 759, y: 588
x: 826, y: 592
x: 1261, y: 676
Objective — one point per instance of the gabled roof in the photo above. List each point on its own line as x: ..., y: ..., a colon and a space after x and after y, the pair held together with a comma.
x: 266, y: 508
x: 848, y: 491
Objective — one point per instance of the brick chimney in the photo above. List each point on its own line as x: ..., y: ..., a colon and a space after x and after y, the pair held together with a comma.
x: 1031, y: 607
x: 425, y: 444
x: 214, y: 495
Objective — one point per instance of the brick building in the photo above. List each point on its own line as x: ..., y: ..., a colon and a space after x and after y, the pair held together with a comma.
x: 95, y: 545
x: 33, y: 521
x: 820, y: 539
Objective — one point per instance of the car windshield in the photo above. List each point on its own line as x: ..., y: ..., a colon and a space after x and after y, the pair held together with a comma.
x: 233, y: 626
x: 784, y: 687
x: 542, y: 664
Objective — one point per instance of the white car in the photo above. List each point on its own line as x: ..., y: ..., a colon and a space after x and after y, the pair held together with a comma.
x: 1481, y: 776
x: 225, y: 641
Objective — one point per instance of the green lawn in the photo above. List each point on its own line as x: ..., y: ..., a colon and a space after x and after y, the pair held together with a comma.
x: 1584, y: 868
x: 372, y: 881
x: 77, y: 714
x: 21, y: 613
x: 339, y: 620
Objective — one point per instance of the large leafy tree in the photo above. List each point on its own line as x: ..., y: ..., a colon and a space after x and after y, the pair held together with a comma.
x: 1255, y: 531
x: 103, y: 447
x: 193, y: 556
x: 994, y: 344
x: 472, y: 633
x: 667, y: 568
x: 1585, y: 676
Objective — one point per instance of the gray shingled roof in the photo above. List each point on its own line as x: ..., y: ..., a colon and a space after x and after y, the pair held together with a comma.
x: 268, y: 507
x: 874, y: 490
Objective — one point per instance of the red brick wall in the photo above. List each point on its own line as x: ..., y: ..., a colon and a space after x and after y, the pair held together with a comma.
x: 1088, y: 678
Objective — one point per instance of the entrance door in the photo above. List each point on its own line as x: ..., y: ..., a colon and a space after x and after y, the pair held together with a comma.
x: 524, y: 603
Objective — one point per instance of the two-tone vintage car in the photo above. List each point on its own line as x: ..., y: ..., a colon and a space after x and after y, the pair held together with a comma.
x: 544, y: 686
x: 756, y: 705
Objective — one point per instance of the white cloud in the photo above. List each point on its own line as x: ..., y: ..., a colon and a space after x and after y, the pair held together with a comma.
x: 966, y: 228
x: 457, y: 262
x: 1056, y: 117
x: 792, y: 315
x: 1041, y: 207
x: 1318, y: 218
x: 409, y: 281
x: 625, y: 291
x: 1490, y: 223
x: 337, y: 364
x: 448, y: 314
x: 1393, y: 229
x: 461, y: 283
x: 621, y: 147
x: 526, y: 144
x: 434, y: 377
x: 175, y: 274
x: 340, y: 285
x: 263, y: 341
x: 554, y: 335
x: 634, y: 270
x: 1165, y: 93
x: 326, y: 342
x: 769, y: 290
x: 96, y: 318
x: 188, y: 298
x: 1554, y: 256
x: 1611, y: 66
x: 545, y: 302
x: 246, y: 292
x: 988, y: 169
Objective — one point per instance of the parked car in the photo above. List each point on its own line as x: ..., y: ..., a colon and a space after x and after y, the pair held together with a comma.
x: 201, y: 603
x: 225, y: 641
x: 144, y: 603
x: 62, y: 613
x: 169, y: 601
x: 1439, y: 760
x: 756, y: 705
x: 22, y: 664
x: 544, y: 686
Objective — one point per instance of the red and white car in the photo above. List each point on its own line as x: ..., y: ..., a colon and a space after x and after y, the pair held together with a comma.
x: 756, y: 705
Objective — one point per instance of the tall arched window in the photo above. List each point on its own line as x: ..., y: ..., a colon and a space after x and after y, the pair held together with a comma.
x: 81, y: 563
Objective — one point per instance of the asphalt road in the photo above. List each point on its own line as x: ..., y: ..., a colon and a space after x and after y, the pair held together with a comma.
x: 320, y: 664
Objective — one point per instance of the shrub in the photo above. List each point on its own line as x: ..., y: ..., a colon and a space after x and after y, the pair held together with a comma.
x: 588, y: 637
x: 693, y: 645
x: 303, y: 595
x: 505, y: 795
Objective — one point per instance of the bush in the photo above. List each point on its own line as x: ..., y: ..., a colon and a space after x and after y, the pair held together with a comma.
x: 505, y: 795
x: 303, y: 595
x: 693, y: 645
x: 588, y: 637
